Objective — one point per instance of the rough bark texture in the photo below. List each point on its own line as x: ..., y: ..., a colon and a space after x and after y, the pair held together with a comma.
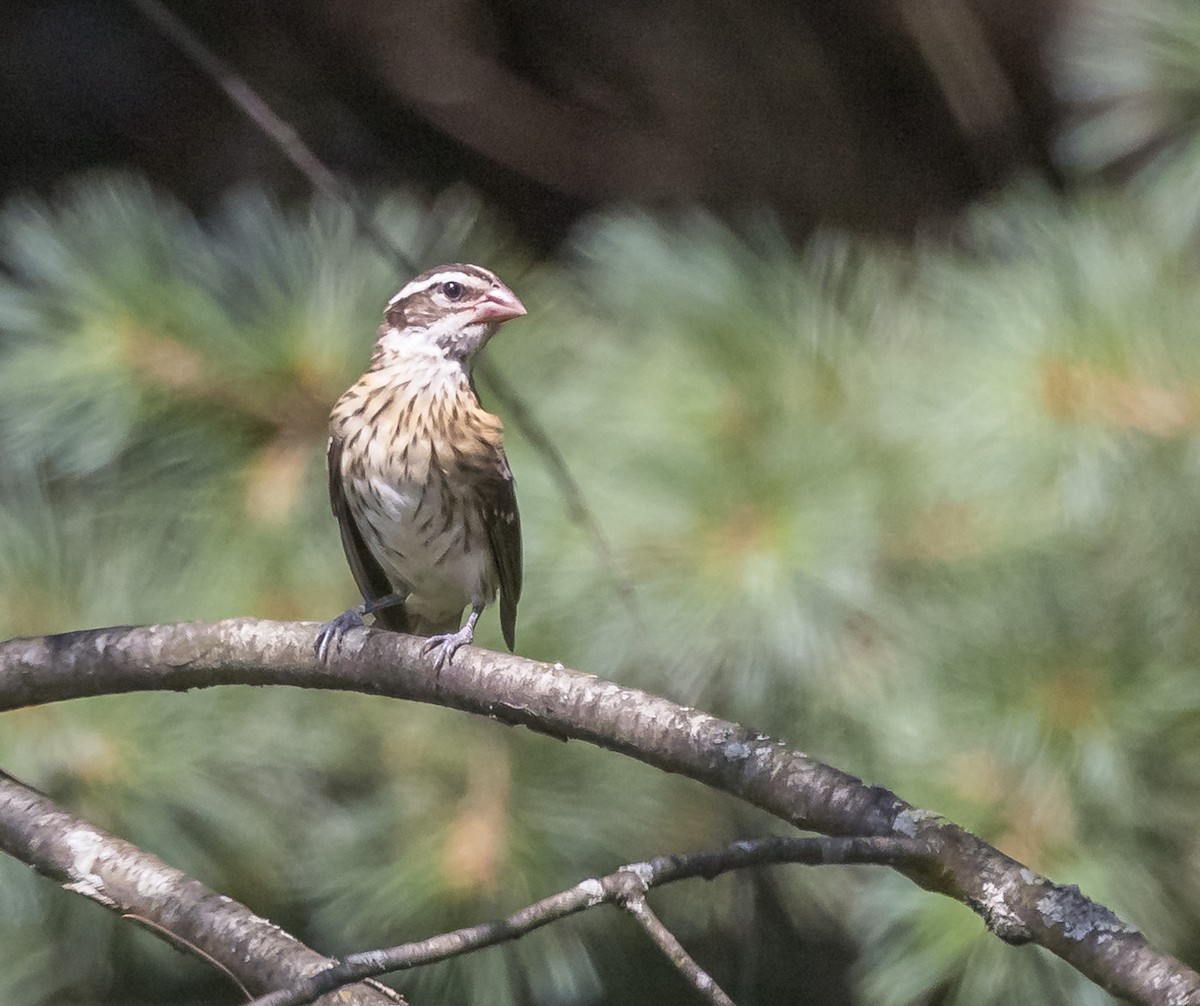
x: 257, y: 954
x: 1015, y: 903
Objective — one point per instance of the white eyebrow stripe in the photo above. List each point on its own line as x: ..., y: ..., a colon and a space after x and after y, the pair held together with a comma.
x: 467, y: 279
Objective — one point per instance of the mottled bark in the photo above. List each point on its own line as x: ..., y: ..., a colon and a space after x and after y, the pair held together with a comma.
x: 1015, y: 903
x: 255, y: 954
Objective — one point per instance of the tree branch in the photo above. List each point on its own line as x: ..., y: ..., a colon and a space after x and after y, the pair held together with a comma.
x: 622, y: 886
x: 1015, y: 903
x: 83, y: 859
x: 673, y: 950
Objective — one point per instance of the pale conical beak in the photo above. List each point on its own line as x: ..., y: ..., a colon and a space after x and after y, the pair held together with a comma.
x: 500, y: 304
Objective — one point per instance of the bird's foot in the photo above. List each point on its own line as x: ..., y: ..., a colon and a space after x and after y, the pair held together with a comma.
x: 449, y: 643
x: 329, y: 636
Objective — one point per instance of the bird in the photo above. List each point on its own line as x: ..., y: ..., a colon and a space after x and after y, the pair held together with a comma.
x: 418, y: 478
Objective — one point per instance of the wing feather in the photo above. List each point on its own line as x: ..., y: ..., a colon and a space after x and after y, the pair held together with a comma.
x: 498, y: 500
x: 368, y: 574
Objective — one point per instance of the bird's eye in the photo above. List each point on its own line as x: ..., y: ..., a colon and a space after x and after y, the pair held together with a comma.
x: 452, y: 289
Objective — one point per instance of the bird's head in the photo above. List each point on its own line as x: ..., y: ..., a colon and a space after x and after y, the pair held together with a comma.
x: 450, y: 310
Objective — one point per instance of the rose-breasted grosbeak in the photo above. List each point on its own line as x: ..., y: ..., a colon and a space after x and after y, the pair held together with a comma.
x: 418, y: 479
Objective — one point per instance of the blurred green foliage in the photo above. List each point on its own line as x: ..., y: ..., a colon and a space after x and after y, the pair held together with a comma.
x: 930, y: 514
x: 1128, y: 75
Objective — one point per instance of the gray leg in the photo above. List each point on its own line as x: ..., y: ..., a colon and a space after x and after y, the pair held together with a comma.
x: 449, y: 643
x: 329, y: 636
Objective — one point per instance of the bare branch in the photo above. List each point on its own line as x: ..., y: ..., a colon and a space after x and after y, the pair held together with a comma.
x: 1015, y: 903
x: 627, y: 883
x: 665, y: 940
x: 87, y: 861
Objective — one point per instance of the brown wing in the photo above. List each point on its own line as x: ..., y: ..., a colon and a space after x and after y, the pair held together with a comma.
x: 499, y: 502
x: 368, y: 574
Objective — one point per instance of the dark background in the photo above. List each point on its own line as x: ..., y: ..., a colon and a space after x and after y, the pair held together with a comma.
x: 879, y: 114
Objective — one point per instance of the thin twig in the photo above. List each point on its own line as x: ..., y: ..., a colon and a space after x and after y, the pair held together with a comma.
x: 251, y: 104
x: 323, y: 180
x: 186, y: 946
x: 665, y: 940
x: 624, y: 887
x: 242, y: 95
x: 576, y: 506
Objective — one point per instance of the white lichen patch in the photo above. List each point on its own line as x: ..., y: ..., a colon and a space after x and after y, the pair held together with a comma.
x: 908, y: 821
x: 643, y: 871
x: 153, y: 884
x: 593, y: 890
x: 1079, y: 917
x: 1000, y: 917
x: 85, y: 847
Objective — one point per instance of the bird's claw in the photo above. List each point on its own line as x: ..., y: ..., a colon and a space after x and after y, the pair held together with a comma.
x: 447, y: 644
x: 329, y: 636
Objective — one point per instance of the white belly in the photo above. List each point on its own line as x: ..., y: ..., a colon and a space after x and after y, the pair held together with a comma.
x: 436, y: 555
